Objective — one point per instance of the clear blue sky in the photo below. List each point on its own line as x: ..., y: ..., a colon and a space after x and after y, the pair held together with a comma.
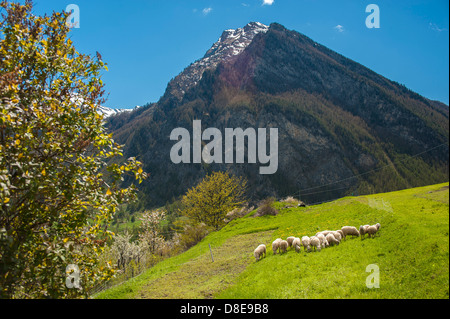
x: 148, y: 42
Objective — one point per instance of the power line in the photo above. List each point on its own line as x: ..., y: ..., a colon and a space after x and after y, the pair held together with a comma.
x: 325, y: 191
x: 362, y: 174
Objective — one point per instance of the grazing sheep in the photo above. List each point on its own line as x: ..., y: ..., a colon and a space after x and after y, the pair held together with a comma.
x: 320, y: 235
x: 290, y: 240
x: 323, y: 240
x: 350, y: 230
x: 324, y: 232
x: 306, y: 242
x: 315, y: 243
x: 276, y: 245
x: 296, y: 244
x: 260, y: 251
x: 332, y: 240
x: 336, y: 235
x: 363, y: 230
x: 341, y: 233
x: 283, y: 246
x: 325, y: 243
x: 371, y: 231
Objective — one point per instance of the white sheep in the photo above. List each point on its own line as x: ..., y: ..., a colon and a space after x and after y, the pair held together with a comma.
x: 378, y: 226
x: 372, y: 230
x: 325, y: 243
x: 332, y: 240
x: 341, y: 233
x: 306, y: 242
x: 296, y: 244
x: 363, y: 230
x: 350, y: 230
x: 276, y: 245
x: 323, y: 240
x: 260, y: 251
x: 290, y: 240
x: 336, y: 235
x: 283, y: 246
x: 315, y: 243
x: 320, y: 235
x: 324, y: 232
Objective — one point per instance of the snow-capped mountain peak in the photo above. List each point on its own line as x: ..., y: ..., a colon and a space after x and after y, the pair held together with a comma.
x: 231, y: 43
x: 107, y: 111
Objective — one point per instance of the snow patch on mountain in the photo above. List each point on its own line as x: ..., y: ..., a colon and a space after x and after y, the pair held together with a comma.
x: 231, y: 43
x: 107, y: 112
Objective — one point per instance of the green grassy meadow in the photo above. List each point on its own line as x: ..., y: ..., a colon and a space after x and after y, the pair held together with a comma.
x: 411, y: 251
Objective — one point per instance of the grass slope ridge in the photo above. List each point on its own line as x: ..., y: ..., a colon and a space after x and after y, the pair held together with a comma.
x: 411, y: 252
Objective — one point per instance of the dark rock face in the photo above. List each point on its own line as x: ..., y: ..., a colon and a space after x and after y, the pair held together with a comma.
x: 337, y: 120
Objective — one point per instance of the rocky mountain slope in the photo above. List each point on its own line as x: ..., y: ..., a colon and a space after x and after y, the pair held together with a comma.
x: 343, y: 129
x: 231, y: 43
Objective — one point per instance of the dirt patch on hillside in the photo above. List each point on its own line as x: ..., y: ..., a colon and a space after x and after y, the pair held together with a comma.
x: 200, y: 278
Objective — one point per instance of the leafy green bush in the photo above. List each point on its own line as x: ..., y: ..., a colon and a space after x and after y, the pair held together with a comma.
x: 57, y: 191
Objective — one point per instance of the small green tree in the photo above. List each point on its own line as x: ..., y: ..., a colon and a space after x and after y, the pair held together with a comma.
x: 215, y: 196
x: 58, y: 193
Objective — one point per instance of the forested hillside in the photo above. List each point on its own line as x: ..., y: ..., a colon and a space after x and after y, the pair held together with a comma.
x: 340, y: 124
